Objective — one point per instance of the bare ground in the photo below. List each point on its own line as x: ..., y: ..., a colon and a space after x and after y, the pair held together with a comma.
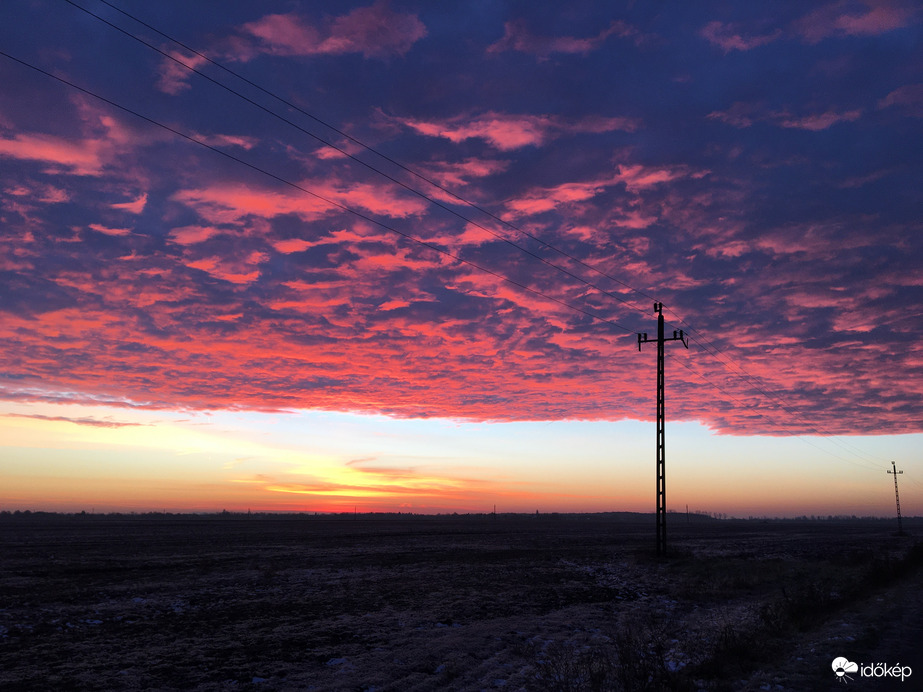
x: 575, y: 602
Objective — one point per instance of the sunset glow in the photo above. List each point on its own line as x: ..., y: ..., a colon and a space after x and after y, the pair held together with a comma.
x: 204, y: 305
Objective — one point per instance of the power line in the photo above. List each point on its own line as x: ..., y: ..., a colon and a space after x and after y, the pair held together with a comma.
x: 354, y: 158
x: 363, y: 145
x: 709, y: 348
x: 327, y: 200
x: 431, y: 246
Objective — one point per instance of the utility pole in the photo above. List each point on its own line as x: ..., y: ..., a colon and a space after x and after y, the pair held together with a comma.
x: 897, y: 498
x: 661, y: 454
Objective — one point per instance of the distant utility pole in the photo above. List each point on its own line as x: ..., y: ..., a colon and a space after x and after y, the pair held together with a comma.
x: 897, y: 498
x: 661, y: 455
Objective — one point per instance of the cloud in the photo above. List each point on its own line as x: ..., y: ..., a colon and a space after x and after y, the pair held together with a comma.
x: 838, y: 19
x: 908, y: 98
x: 290, y: 245
x: 174, y: 74
x: 61, y: 155
x: 99, y: 228
x: 507, y: 132
x: 231, y: 202
x: 220, y: 140
x: 222, y: 203
x: 136, y: 206
x: 518, y: 37
x: 743, y: 115
x: 634, y: 177
x: 374, y: 31
x: 740, y: 114
x: 190, y: 235
x: 235, y: 270
x: 140, y: 270
x: 850, y: 18
x: 546, y: 199
x: 44, y: 193
x: 93, y: 422
x: 86, y: 140
x: 730, y: 37
x: 454, y: 174
x: 816, y: 121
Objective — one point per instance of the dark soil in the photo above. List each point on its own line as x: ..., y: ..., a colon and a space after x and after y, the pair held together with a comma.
x: 570, y: 602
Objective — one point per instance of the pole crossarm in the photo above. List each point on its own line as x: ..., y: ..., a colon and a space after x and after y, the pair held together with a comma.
x: 661, y: 423
x: 677, y: 336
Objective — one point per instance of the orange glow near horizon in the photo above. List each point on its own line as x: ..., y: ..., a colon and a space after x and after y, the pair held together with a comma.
x: 71, y: 458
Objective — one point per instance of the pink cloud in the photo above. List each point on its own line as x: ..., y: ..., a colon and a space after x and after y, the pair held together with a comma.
x: 393, y: 304
x: 507, y: 132
x: 219, y: 140
x: 517, y: 36
x: 190, y: 235
x: 326, y: 153
x: 729, y: 37
x: 817, y: 121
x: 384, y: 200
x: 503, y: 131
x: 80, y: 157
x: 291, y: 245
x: 908, y: 98
x: 173, y: 77
x: 456, y: 174
x: 636, y: 220
x: 110, y: 231
x: 850, y: 18
x: 639, y: 177
x: 396, y: 259
x: 742, y: 115
x: 230, y: 203
x: 233, y: 271
x: 635, y: 178
x: 373, y: 31
x: 524, y: 358
x: 47, y: 194
x: 285, y: 34
x: 541, y: 200
x: 136, y: 206
x: 817, y: 241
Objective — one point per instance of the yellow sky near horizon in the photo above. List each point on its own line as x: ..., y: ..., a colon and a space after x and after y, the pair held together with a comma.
x: 73, y: 458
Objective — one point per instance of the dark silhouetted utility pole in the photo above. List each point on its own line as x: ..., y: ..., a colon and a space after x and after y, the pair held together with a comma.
x: 661, y: 454
x: 897, y: 498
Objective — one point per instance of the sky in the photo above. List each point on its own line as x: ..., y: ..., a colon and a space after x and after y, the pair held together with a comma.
x: 395, y: 256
